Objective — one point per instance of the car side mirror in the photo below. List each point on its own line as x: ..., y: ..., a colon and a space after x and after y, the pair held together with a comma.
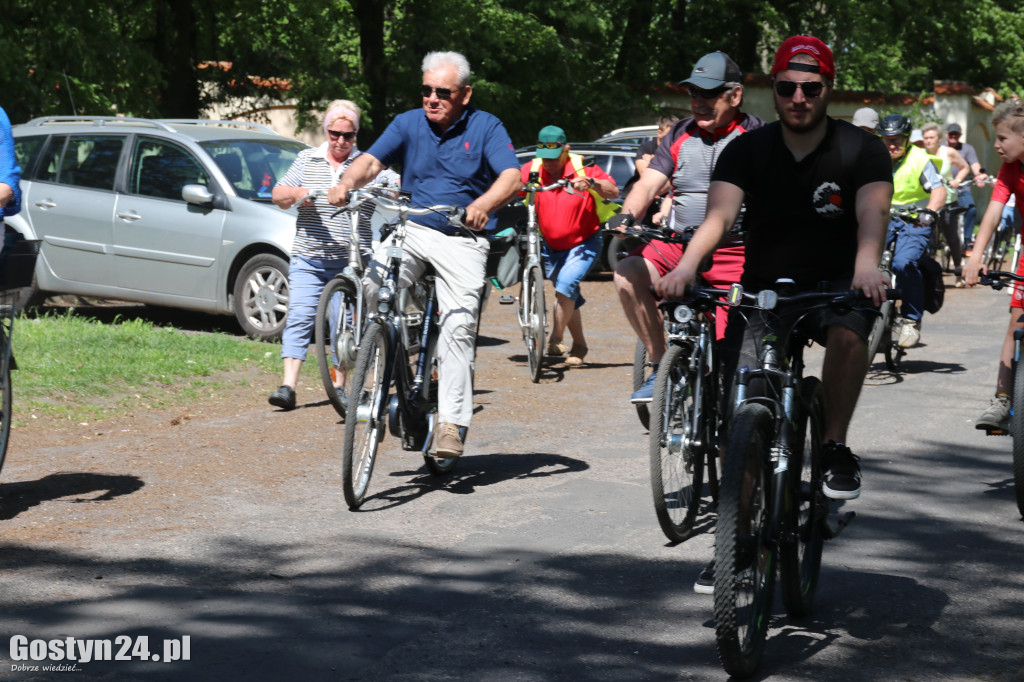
x: 197, y: 194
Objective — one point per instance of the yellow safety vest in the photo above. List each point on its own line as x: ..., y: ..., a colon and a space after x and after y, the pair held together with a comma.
x: 906, y: 182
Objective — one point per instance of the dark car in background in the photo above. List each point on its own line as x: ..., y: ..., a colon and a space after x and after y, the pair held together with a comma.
x: 616, y: 160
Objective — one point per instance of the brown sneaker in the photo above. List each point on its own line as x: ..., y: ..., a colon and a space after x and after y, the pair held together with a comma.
x: 557, y: 349
x: 576, y: 356
x: 449, y: 442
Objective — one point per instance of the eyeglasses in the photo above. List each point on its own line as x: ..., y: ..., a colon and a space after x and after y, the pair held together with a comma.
x: 335, y: 134
x: 706, y: 94
x: 811, y: 89
x: 442, y: 93
x: 549, y: 145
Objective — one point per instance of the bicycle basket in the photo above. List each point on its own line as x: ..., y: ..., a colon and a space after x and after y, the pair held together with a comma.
x: 17, y: 261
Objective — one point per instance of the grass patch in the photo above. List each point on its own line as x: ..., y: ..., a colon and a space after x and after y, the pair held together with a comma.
x: 79, y: 369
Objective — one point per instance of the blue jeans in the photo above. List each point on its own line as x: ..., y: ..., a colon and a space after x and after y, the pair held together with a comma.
x: 911, y: 246
x: 306, y: 280
x: 966, y: 200
x: 566, y: 269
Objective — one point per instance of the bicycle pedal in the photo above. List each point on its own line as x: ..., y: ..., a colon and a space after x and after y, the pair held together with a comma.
x: 997, y: 432
x: 506, y: 299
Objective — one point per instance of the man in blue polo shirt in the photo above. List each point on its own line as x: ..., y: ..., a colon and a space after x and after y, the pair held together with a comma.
x: 450, y: 153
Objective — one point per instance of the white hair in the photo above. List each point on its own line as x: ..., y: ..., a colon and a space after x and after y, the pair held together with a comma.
x: 436, y: 60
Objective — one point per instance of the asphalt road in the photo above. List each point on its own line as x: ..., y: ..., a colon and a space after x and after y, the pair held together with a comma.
x: 538, y: 559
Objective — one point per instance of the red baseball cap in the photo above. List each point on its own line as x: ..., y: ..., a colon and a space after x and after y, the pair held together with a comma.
x: 808, y: 45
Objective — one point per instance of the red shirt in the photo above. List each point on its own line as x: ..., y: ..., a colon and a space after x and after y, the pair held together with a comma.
x: 1010, y: 181
x: 566, y: 219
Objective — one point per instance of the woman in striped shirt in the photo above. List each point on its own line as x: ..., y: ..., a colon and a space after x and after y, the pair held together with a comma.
x: 320, y: 248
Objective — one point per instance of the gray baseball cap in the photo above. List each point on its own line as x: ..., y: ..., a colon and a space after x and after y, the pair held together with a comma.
x: 713, y: 71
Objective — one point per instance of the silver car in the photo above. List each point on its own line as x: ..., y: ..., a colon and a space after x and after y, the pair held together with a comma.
x: 167, y: 212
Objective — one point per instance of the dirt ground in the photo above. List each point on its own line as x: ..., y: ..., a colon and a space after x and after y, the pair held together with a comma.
x: 162, y: 467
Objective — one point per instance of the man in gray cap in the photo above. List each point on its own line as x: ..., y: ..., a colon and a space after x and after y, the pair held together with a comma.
x: 963, y: 191
x: 683, y: 163
x: 866, y: 119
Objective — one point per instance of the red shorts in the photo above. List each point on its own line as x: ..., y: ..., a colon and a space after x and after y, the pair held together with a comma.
x: 1017, y: 299
x: 726, y: 267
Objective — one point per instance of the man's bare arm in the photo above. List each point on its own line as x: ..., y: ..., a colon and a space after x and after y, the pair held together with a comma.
x: 873, y: 201
x: 500, y: 192
x: 363, y: 169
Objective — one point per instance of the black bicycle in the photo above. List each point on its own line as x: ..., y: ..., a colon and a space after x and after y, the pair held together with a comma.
x: 885, y: 333
x: 390, y: 354
x: 999, y: 280
x: 642, y: 365
x: 773, y: 516
x: 684, y: 433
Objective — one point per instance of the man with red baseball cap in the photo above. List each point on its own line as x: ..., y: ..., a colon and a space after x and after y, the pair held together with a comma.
x: 817, y: 193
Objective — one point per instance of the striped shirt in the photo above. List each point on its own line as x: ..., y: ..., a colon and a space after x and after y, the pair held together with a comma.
x: 317, y: 234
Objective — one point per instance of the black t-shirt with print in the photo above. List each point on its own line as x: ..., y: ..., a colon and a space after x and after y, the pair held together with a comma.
x: 800, y: 217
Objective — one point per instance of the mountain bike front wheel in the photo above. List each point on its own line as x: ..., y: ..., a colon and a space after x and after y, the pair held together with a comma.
x: 364, y: 424
x: 677, y: 469
x: 744, y: 555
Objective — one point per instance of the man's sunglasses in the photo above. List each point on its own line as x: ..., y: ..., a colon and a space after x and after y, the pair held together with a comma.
x: 442, y: 93
x: 696, y: 92
x: 811, y: 89
x: 549, y: 145
x: 335, y: 134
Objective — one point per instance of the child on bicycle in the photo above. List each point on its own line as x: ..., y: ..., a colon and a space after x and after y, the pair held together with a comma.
x: 1008, y: 121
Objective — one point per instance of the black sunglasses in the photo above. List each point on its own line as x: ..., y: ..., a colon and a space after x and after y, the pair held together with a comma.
x: 706, y: 94
x: 442, y: 93
x: 335, y: 134
x: 811, y: 89
x: 549, y: 145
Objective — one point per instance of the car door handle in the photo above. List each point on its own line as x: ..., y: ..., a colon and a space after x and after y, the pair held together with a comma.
x: 46, y: 203
x: 129, y: 216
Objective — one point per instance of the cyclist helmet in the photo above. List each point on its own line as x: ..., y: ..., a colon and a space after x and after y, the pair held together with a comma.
x: 894, y: 124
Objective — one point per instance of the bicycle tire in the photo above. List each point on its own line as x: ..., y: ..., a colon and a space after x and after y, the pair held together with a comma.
x: 533, y: 332
x: 744, y: 555
x: 365, y: 425
x: 800, y: 555
x: 335, y: 338
x: 881, y: 334
x: 640, y: 373
x: 1017, y: 431
x: 677, y: 473
x: 5, y: 416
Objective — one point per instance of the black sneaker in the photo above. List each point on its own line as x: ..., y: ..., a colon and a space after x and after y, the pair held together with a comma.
x: 284, y: 397
x: 840, y: 475
x: 705, y: 583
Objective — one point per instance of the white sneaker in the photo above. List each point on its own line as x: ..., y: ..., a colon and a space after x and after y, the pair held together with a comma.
x: 996, y: 416
x: 910, y: 333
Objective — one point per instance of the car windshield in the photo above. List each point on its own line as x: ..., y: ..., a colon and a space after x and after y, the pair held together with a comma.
x: 253, y: 167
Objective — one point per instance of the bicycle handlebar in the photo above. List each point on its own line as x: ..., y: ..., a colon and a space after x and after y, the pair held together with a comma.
x: 371, y: 193
x: 647, y: 233
x: 769, y: 299
x: 997, y: 279
x: 535, y: 188
x: 911, y: 215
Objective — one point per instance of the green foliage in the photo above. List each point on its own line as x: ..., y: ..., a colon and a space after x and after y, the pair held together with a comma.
x: 586, y: 65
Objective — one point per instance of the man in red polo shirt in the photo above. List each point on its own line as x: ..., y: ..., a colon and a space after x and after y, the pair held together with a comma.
x: 568, y: 221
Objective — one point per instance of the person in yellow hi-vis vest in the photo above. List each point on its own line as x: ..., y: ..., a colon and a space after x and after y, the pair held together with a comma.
x: 569, y: 219
x: 917, y: 184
